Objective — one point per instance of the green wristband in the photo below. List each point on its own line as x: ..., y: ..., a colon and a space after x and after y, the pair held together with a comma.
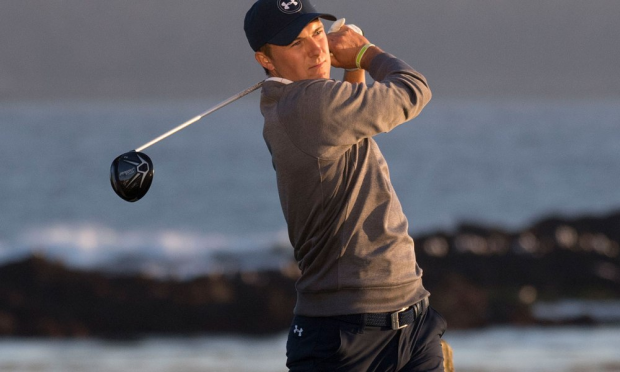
x: 360, y: 54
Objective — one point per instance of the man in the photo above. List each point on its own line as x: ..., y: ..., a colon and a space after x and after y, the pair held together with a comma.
x: 360, y: 305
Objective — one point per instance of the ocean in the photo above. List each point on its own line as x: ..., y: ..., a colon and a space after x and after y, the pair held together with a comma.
x: 500, y: 163
x: 213, y: 206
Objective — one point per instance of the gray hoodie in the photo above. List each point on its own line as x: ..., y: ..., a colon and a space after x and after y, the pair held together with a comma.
x: 345, y: 222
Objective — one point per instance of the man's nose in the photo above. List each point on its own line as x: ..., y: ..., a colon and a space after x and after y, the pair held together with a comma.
x: 314, y: 48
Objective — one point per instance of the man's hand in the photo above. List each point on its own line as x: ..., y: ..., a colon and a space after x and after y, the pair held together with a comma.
x: 344, y: 46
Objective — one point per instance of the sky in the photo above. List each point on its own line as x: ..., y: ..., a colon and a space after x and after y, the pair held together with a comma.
x: 119, y: 49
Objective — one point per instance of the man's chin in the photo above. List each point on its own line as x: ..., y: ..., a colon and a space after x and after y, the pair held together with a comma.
x: 323, y: 74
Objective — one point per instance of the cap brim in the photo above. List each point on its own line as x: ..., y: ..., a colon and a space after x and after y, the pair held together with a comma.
x: 290, y: 32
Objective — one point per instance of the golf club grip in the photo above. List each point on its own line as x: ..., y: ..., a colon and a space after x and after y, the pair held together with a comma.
x: 195, y: 119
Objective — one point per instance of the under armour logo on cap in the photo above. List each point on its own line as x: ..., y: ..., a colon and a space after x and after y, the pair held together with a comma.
x: 289, y: 7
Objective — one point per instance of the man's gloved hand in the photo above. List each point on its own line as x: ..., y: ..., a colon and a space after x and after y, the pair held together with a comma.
x: 344, y: 45
x: 337, y: 25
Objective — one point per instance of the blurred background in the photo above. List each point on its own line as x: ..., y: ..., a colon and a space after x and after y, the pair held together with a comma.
x: 509, y: 180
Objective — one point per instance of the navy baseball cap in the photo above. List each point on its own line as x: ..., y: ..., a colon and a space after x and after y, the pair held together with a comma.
x: 279, y: 22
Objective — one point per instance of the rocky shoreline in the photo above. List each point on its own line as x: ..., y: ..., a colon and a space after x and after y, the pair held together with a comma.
x: 478, y: 276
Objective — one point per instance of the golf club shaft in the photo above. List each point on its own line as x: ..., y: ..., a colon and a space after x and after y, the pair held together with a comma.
x: 192, y: 121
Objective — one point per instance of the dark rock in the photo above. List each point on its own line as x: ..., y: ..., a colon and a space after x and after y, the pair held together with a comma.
x: 41, y: 298
x: 477, y: 275
x: 480, y: 276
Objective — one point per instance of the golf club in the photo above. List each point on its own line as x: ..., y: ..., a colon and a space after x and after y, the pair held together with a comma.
x: 131, y: 173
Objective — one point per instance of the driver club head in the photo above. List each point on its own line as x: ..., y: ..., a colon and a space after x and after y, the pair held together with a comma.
x: 131, y: 175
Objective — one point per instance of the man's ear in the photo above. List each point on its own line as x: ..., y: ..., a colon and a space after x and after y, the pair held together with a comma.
x: 264, y: 61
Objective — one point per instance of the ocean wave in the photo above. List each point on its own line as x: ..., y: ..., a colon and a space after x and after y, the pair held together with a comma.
x: 157, y: 253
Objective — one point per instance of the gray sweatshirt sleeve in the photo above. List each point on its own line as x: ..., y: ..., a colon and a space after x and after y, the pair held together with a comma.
x: 336, y: 115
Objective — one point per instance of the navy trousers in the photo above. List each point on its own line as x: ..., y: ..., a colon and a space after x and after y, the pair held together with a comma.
x: 329, y: 344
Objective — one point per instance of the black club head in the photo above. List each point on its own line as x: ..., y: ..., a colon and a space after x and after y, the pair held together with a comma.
x: 131, y: 175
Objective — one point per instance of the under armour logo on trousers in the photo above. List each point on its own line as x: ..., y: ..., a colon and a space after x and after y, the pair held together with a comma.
x: 298, y: 330
x: 286, y: 5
